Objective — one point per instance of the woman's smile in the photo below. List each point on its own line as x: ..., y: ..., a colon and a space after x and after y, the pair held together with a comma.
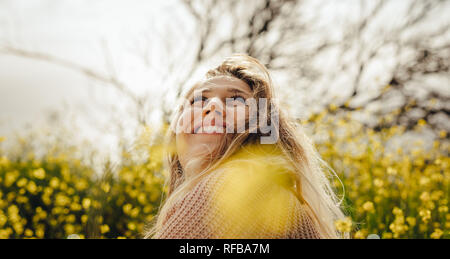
x: 210, y: 127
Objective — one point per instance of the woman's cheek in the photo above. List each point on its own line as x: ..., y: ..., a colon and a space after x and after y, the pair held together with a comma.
x: 184, y: 124
x: 188, y: 119
x: 236, y: 118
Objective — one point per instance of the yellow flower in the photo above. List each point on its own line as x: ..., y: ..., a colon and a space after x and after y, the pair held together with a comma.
x: 387, y: 235
x: 43, y: 214
x: 424, y: 180
x: 48, y: 190
x: 148, y: 209
x: 70, y: 219
x: 11, y: 177
x: 378, y: 183
x: 18, y: 228
x: 150, y: 218
x: 22, y: 199
x: 368, y: 206
x: 344, y: 225
x: 46, y: 199
x: 391, y: 171
x: 127, y: 208
x: 69, y: 228
x: 4, y: 161
x: 104, y: 229
x: 61, y: 200
x: 40, y: 232
x: 436, y: 195
x: 425, y: 214
x: 127, y: 177
x: 63, y: 186
x: 31, y: 187
x: 133, y: 193
x: 332, y: 107
x: 411, y: 221
x: 3, y: 220
x: 425, y: 196
x: 99, y: 219
x: 28, y: 232
x: 81, y: 185
x: 54, y: 183
x: 5, y: 233
x: 105, y: 187
x: 13, y: 210
x: 398, y: 228
x: 96, y: 204
x: 397, y: 211
x: 75, y: 207
x: 39, y: 173
x: 443, y: 209
x: 142, y: 198
x: 421, y: 122
x: 134, y: 212
x: 377, y: 199
x: 22, y: 182
x: 86, y: 203
x: 360, y: 234
x: 437, y: 234
x: 131, y: 225
x: 53, y: 222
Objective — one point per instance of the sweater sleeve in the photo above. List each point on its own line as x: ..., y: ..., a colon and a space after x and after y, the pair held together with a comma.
x: 241, y: 200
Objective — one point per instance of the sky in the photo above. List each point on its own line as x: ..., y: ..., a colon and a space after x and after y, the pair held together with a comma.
x: 77, y: 31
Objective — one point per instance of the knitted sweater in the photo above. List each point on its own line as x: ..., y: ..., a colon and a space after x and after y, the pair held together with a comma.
x: 251, y: 195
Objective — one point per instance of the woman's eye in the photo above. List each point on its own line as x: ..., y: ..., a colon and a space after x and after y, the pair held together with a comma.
x: 238, y: 99
x: 198, y: 99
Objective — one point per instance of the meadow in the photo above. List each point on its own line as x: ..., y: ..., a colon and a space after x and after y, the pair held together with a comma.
x: 392, y: 190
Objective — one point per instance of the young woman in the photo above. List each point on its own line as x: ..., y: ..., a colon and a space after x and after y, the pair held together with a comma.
x: 239, y: 168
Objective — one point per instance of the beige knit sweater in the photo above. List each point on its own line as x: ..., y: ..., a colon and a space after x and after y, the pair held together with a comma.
x: 251, y: 195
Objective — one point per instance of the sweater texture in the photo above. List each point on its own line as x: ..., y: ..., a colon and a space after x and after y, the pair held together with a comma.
x: 251, y: 195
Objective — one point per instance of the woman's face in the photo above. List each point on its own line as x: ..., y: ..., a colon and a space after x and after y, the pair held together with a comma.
x: 209, y: 116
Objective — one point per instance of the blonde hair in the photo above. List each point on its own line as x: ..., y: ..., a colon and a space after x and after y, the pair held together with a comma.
x: 312, y: 184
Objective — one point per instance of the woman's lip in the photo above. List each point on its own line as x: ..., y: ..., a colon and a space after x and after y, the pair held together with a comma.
x: 224, y: 127
x: 204, y: 133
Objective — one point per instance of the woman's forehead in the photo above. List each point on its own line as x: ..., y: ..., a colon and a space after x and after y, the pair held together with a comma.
x: 224, y: 82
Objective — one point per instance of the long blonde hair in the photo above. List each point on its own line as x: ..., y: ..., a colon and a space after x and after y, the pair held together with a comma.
x: 312, y: 184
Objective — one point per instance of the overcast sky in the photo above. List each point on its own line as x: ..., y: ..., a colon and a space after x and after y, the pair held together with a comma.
x: 73, y: 30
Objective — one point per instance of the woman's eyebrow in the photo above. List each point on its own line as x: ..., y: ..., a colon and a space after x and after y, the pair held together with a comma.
x: 205, y: 89
x: 197, y: 92
x: 236, y: 90
x: 230, y: 90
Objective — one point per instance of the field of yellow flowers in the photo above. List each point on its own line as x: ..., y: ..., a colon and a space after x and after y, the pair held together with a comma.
x: 57, y: 196
x: 394, y: 192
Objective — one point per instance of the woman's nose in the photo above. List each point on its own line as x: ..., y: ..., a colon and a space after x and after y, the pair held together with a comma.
x: 214, y: 105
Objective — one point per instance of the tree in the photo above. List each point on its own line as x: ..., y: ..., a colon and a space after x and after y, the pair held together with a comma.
x: 369, y: 57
